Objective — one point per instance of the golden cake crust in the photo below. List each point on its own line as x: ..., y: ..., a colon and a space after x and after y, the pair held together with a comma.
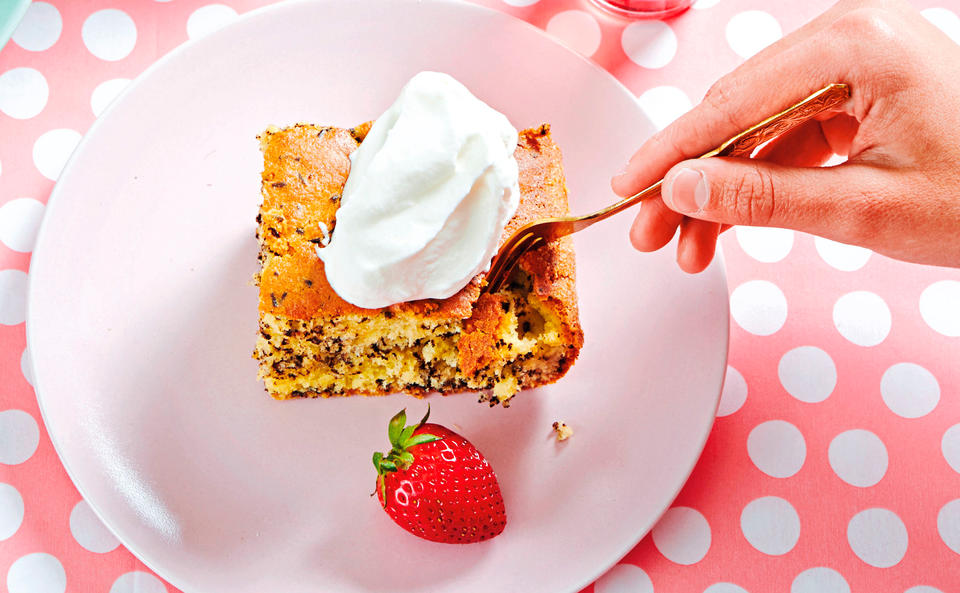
x: 305, y: 168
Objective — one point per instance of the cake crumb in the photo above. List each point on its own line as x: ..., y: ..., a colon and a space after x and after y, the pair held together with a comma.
x: 563, y: 431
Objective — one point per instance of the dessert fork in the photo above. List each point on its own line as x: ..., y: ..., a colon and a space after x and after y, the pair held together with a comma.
x: 540, y: 232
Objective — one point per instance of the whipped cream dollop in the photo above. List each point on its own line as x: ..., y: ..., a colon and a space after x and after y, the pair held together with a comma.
x: 430, y: 191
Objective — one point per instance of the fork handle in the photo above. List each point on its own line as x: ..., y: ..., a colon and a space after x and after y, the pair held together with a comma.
x: 744, y: 143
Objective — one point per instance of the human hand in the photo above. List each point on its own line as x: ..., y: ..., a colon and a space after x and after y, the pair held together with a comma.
x: 898, y: 193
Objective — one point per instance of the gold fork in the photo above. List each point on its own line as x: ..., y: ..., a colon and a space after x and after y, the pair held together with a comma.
x: 540, y: 232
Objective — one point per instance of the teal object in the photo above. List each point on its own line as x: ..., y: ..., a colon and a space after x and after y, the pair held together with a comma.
x: 11, y: 11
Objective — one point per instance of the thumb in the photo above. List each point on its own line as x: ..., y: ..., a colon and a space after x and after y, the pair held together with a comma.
x: 819, y: 200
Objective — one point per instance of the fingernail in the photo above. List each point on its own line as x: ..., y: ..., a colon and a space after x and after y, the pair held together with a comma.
x: 687, y: 191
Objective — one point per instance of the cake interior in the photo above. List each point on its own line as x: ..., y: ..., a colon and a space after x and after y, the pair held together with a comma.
x: 405, y: 351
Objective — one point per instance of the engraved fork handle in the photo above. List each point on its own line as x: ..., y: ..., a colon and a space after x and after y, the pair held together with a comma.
x: 744, y: 143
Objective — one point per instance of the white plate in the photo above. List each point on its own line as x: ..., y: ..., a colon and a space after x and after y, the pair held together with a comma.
x: 142, y: 320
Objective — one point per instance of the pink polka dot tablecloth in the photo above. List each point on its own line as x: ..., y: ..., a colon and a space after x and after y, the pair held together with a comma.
x: 834, y: 463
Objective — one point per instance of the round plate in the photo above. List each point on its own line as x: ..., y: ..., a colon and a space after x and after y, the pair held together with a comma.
x: 142, y: 319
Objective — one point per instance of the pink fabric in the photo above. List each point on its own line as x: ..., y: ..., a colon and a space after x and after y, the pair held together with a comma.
x: 808, y: 483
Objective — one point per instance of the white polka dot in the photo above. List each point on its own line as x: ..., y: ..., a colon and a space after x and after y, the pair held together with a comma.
x: 734, y: 393
x: 948, y: 524
x: 944, y: 20
x: 840, y: 256
x: 664, y: 104
x: 13, y: 297
x: 89, y: 531
x: 777, y: 448
x: 751, y: 31
x: 878, y: 537
x: 36, y: 573
x: 624, y: 578
x: 52, y: 149
x: 923, y: 589
x: 940, y: 307
x: 819, y: 580
x: 520, y: 2
x: 19, y: 436
x: 577, y: 29
x: 19, y: 222
x: 759, y: 307
x: 138, y: 582
x: 682, y: 535
x: 105, y: 93
x: 862, y: 317
x: 207, y: 19
x: 23, y: 93
x: 40, y: 27
x: 26, y: 366
x: 950, y: 447
x: 766, y: 245
x: 858, y: 457
x: 651, y: 44
x: 725, y: 588
x: 702, y: 4
x: 771, y: 525
x: 11, y: 511
x: 909, y: 390
x: 109, y: 34
x: 808, y: 374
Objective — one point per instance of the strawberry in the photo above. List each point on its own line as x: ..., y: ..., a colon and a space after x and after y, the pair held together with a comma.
x: 436, y: 485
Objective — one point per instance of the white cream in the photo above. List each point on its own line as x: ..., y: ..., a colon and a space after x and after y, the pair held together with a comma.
x: 429, y: 193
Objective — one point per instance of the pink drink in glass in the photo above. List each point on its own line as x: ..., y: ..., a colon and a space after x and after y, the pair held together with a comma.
x: 646, y: 9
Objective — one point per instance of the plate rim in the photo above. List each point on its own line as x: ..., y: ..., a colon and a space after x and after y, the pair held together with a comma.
x: 256, y: 13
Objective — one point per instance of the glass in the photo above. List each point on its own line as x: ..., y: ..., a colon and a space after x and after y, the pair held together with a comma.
x: 645, y: 9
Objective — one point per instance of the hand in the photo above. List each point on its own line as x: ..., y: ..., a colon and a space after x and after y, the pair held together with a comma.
x: 898, y: 193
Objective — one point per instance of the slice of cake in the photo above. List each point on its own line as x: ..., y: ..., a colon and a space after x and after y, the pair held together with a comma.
x: 313, y: 343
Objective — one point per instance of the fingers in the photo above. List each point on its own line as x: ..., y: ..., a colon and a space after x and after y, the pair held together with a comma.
x: 735, y: 103
x: 698, y: 243
x: 757, y: 193
x: 654, y: 226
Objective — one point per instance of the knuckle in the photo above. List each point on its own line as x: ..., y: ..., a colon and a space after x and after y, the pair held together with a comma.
x: 718, y: 102
x: 750, y: 197
x: 868, y: 25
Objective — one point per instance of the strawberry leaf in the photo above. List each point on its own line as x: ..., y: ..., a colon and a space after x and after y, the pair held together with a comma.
x: 406, y: 459
x: 425, y: 417
x: 395, y: 428
x: 377, y: 458
x: 405, y: 435
x: 420, y: 439
x: 387, y: 465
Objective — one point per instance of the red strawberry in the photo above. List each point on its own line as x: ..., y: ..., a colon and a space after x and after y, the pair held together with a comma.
x: 436, y: 485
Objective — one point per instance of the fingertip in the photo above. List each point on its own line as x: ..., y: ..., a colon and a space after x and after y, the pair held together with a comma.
x: 697, y: 245
x: 639, y: 236
x: 688, y: 258
x: 622, y: 183
x: 654, y: 226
